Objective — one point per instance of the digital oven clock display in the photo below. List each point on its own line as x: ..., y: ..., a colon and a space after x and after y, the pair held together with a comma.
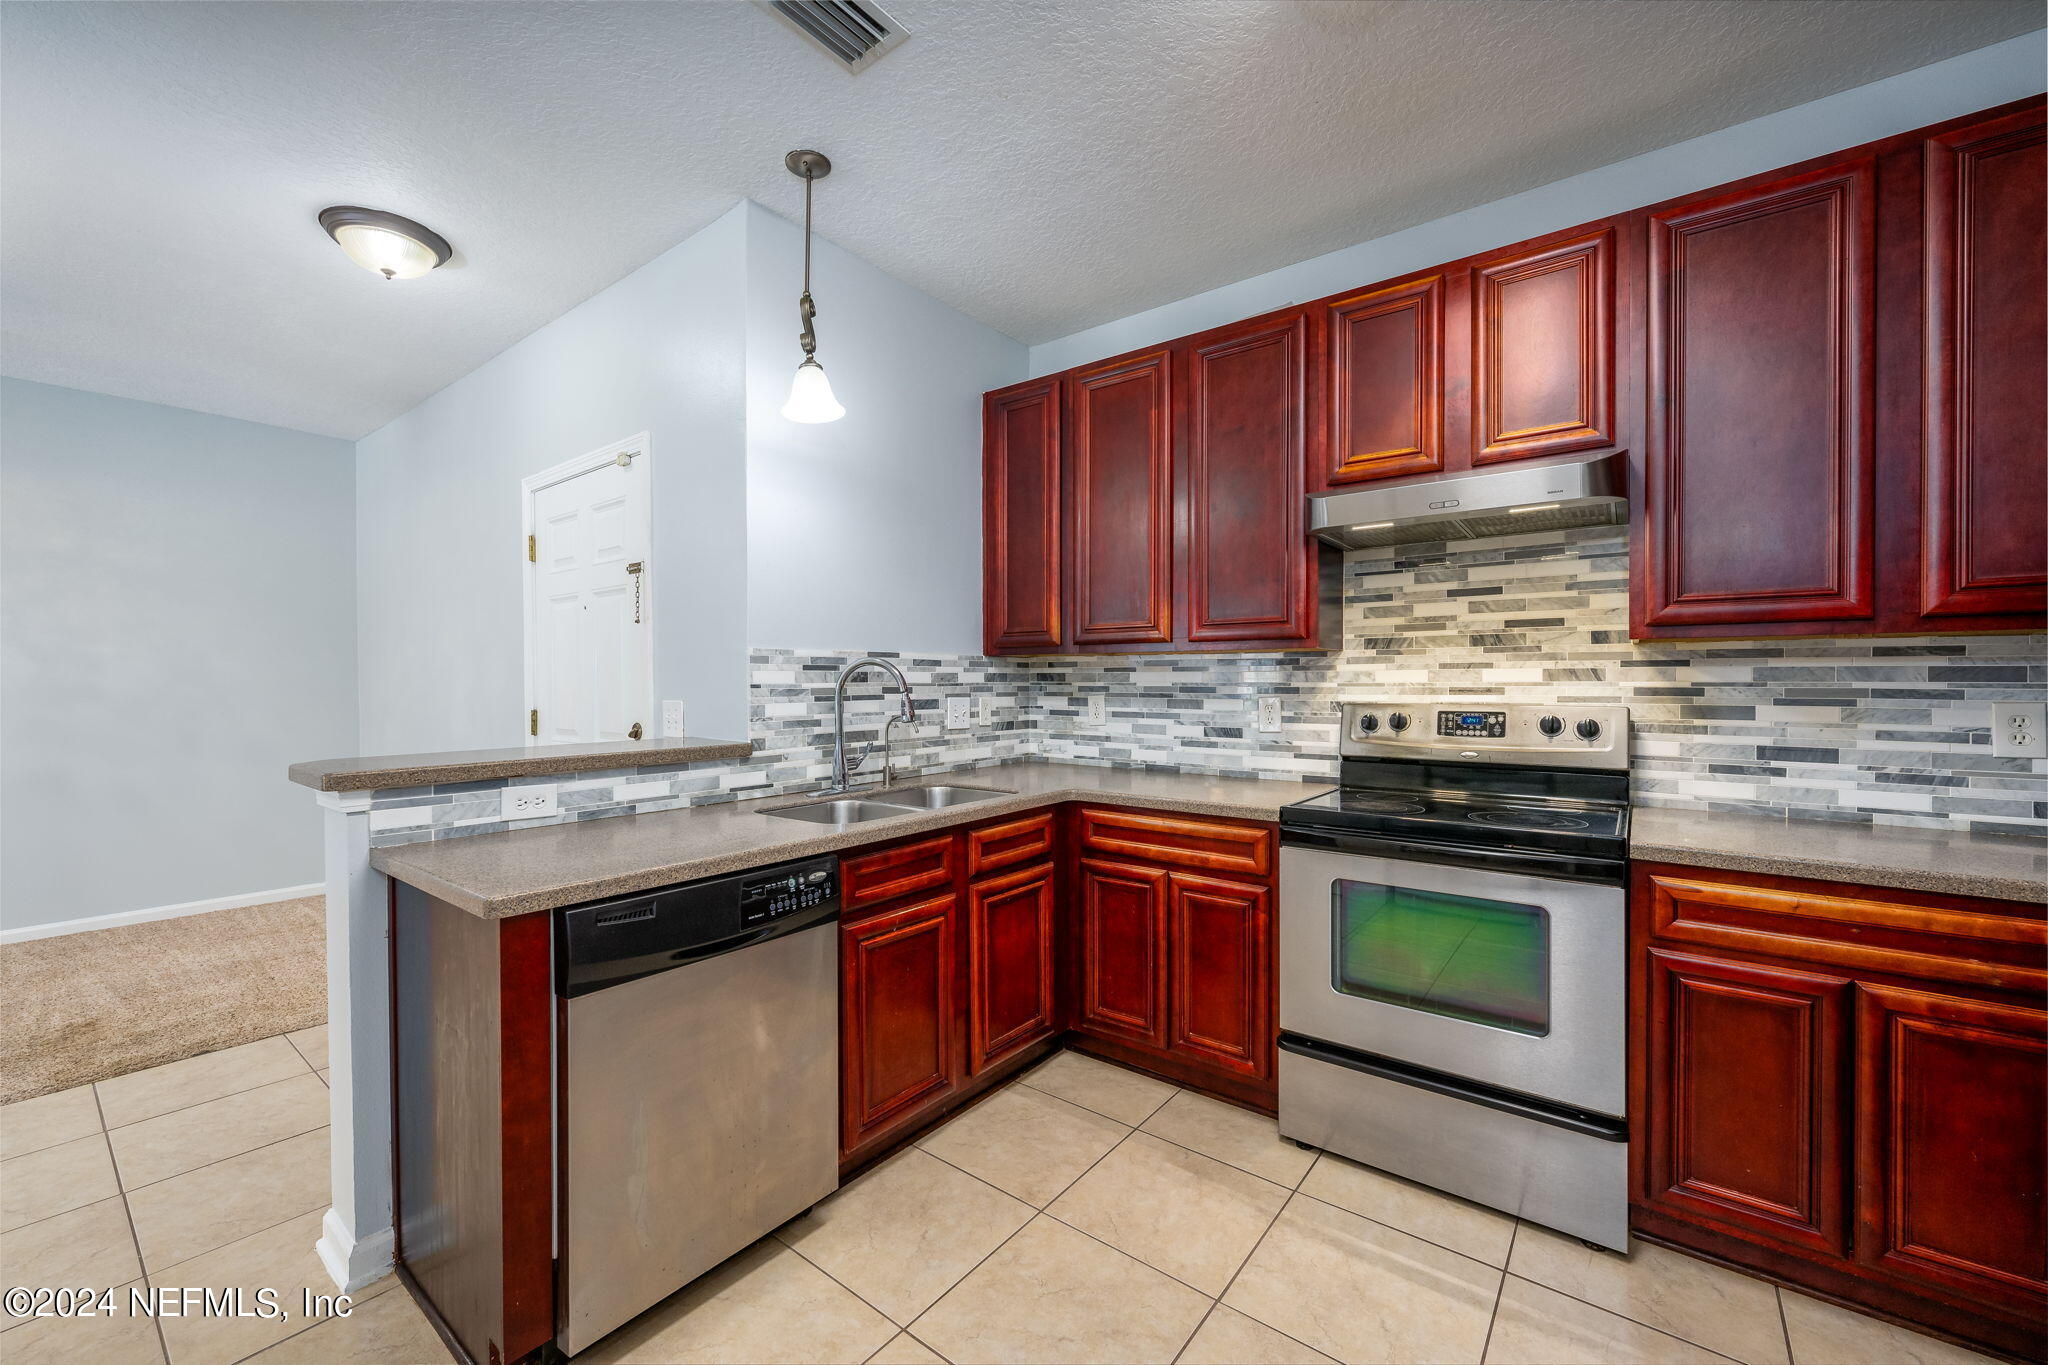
x: 1472, y: 724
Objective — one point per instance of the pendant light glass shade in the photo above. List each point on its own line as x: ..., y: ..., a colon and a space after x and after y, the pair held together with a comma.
x: 810, y: 396
x: 394, y: 247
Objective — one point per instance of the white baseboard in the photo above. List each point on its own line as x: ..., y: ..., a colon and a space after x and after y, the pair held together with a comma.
x: 155, y: 912
x: 353, y: 1263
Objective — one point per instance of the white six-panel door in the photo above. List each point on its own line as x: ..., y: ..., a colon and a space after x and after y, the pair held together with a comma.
x: 587, y: 631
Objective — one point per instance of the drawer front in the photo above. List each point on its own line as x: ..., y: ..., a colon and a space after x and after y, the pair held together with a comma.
x: 904, y: 870
x: 1208, y: 845
x: 993, y: 847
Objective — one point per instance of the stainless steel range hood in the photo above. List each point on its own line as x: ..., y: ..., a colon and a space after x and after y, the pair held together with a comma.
x: 1536, y: 495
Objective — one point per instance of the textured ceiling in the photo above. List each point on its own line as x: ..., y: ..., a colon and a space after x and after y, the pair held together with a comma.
x: 1043, y: 165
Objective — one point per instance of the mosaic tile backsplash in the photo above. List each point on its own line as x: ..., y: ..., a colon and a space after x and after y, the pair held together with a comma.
x: 1894, y: 731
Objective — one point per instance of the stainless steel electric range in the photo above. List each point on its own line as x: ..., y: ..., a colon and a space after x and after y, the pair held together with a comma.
x: 1453, y: 969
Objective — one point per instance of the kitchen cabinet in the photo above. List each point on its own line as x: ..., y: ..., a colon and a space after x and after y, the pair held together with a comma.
x: 1022, y: 540
x: 1220, y: 967
x: 1121, y: 916
x: 1846, y: 1089
x: 1543, y: 349
x: 898, y: 1015
x: 1386, y: 376
x: 1123, y: 501
x: 1010, y: 963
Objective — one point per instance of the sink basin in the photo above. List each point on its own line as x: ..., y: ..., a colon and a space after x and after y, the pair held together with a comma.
x: 840, y: 813
x: 936, y: 797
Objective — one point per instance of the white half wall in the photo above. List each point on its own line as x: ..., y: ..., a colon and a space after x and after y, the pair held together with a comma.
x: 2013, y: 69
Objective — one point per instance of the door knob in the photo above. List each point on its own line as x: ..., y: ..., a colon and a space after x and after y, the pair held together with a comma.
x: 634, y: 733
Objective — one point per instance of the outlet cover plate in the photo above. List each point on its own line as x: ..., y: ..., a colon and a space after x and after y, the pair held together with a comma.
x: 529, y: 803
x: 672, y: 720
x: 2019, y: 729
x: 984, y: 708
x: 1269, y: 714
x: 956, y: 713
x: 1097, y: 710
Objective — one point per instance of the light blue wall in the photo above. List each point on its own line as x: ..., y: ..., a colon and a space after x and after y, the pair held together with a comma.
x: 438, y: 548
x: 864, y: 533
x: 1961, y: 85
x: 179, y: 626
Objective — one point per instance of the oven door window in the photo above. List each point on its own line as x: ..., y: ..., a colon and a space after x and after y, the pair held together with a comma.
x: 1482, y: 961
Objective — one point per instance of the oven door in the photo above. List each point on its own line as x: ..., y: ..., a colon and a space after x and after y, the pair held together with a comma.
x: 1510, y: 979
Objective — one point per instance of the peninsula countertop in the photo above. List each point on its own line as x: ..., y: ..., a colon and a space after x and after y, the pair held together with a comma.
x: 485, y: 765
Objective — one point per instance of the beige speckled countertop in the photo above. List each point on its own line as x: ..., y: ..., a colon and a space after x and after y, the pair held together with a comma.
x: 483, y: 765
x: 1958, y: 864
x: 521, y: 871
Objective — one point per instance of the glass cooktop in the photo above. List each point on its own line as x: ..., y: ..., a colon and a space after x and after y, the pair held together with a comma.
x: 1480, y: 818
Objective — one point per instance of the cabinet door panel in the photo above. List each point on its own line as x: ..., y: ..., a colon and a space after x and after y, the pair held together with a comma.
x: 1249, y: 563
x: 1123, y: 503
x: 1386, y: 382
x: 1745, y: 1095
x: 1985, y: 462
x: 1123, y: 951
x: 1022, y: 513
x: 1952, y: 1160
x: 897, y: 1016
x: 1759, y: 502
x: 1543, y: 351
x: 1220, y: 933
x: 1010, y: 972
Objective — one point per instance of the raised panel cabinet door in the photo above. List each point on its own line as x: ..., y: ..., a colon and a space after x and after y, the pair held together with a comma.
x: 1123, y: 501
x: 1386, y: 382
x: 1220, y: 936
x: 1249, y: 566
x: 1758, y: 501
x: 1543, y: 350
x: 1123, y: 951
x: 1952, y: 1139
x: 1985, y: 444
x: 1746, y: 1089
x: 1010, y: 968
x: 897, y: 1015
x: 1022, y: 513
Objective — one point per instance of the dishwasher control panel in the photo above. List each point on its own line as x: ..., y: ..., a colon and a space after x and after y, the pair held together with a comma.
x: 786, y: 893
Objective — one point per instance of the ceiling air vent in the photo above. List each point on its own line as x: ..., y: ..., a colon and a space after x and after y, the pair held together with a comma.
x: 855, y: 32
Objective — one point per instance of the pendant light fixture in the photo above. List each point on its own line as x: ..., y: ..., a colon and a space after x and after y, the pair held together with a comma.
x: 810, y: 393
x: 394, y: 247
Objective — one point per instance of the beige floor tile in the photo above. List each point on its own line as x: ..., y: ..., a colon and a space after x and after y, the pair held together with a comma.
x: 905, y: 1349
x: 195, y: 1080
x: 1823, y: 1334
x: 116, y: 1337
x: 389, y: 1329
x: 1359, y: 1290
x: 1052, y: 1294
x: 1109, y: 1090
x: 31, y: 1125
x: 1248, y: 1141
x: 905, y: 1232
x: 1705, y: 1304
x: 89, y: 1246
x: 280, y: 1259
x: 1538, y: 1326
x: 1026, y: 1142
x: 764, y: 1306
x: 312, y: 1045
x: 1228, y: 1337
x: 1481, y: 1233
x: 322, y: 1074
x: 56, y: 1179
x: 196, y: 1212
x: 1178, y: 1211
x: 186, y: 1139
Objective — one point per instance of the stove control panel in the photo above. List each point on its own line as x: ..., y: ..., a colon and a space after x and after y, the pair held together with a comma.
x: 1557, y: 734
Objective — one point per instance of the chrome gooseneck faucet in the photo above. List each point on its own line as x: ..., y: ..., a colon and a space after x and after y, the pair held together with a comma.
x: 842, y: 771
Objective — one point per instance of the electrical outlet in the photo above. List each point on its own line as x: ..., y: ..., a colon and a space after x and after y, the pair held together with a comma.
x: 672, y: 720
x: 1269, y: 713
x: 528, y: 803
x: 956, y: 713
x: 984, y: 709
x: 1097, y: 710
x: 2016, y: 729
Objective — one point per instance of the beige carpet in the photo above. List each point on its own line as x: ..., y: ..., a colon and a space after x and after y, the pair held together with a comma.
x: 86, y: 1007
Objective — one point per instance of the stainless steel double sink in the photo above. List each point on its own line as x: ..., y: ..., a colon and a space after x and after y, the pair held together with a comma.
x: 843, y: 811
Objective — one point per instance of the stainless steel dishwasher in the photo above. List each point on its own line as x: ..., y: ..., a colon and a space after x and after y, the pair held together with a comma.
x: 699, y: 1057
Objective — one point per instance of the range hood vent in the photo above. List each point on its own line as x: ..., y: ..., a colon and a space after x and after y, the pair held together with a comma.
x: 1539, y: 495
x: 854, y: 32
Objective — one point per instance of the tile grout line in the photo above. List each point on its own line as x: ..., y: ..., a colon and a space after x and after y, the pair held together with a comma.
x: 207, y: 1165
x: 1784, y: 1323
x: 198, y: 1104
x: 141, y: 1265
x: 1500, y: 1291
x: 1229, y: 1284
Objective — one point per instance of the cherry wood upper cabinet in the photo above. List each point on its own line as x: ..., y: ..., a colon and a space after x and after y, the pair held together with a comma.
x: 1122, y: 465
x: 1758, y: 505
x: 1247, y: 565
x: 1021, y: 586
x: 1009, y: 963
x: 1543, y: 350
x: 1122, y: 919
x: 1985, y: 474
x: 898, y: 1026
x: 1220, y: 932
x: 1385, y: 352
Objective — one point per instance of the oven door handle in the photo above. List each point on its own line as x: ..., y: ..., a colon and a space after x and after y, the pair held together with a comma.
x: 1557, y: 1116
x: 1570, y: 867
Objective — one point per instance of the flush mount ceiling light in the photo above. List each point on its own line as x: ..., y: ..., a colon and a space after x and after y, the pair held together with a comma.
x: 394, y: 247
x: 810, y: 393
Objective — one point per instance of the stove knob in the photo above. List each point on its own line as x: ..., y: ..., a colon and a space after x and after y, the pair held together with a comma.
x: 1550, y: 725
x: 1397, y: 722
x: 1588, y: 729
x: 1368, y: 723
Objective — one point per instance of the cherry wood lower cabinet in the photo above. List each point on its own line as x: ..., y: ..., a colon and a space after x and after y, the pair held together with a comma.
x: 1847, y: 1089
x: 1009, y: 964
x: 898, y: 1035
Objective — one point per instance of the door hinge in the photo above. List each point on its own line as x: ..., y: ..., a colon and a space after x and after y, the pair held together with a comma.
x: 532, y: 552
x: 533, y: 722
